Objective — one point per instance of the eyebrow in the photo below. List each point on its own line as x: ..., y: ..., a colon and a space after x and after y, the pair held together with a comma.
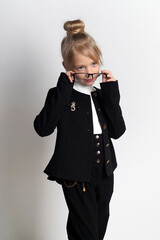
x: 79, y: 65
x: 82, y: 65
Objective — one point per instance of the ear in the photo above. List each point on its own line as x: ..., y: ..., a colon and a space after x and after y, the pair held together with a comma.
x: 63, y: 64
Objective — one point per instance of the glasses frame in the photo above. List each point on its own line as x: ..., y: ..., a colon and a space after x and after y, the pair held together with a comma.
x: 90, y: 74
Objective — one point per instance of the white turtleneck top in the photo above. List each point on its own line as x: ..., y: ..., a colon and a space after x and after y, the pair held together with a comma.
x: 87, y: 90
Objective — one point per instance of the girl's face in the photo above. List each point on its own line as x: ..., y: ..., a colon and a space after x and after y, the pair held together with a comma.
x: 83, y: 64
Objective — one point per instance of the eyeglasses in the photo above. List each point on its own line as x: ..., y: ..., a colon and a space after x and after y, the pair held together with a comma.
x: 87, y: 75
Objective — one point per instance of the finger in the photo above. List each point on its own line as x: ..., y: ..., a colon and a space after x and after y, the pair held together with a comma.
x: 111, y: 80
x: 105, y: 71
x: 70, y: 76
x: 104, y: 74
x: 71, y: 79
x: 104, y: 77
x: 110, y: 76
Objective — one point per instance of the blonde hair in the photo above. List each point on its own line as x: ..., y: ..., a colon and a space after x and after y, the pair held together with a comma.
x: 78, y: 41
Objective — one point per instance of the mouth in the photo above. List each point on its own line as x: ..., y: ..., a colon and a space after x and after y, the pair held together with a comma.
x: 89, y: 79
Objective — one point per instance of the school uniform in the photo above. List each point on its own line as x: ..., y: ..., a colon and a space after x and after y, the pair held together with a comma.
x: 84, y: 158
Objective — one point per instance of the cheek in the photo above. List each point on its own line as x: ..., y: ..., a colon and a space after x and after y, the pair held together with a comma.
x: 97, y: 68
x: 81, y: 78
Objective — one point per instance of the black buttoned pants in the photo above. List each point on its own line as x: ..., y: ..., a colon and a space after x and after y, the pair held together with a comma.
x: 88, y: 203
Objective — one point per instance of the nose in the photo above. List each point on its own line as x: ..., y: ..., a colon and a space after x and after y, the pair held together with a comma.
x: 89, y: 75
x: 89, y: 72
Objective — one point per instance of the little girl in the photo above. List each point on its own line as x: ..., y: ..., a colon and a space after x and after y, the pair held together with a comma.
x: 86, y: 118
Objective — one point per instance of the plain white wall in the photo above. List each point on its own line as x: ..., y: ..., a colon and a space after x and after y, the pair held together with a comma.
x: 127, y: 31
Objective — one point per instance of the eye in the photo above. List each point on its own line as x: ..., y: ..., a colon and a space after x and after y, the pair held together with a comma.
x: 80, y: 68
x: 94, y: 63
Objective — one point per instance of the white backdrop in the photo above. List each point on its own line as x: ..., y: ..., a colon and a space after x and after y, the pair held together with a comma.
x: 127, y: 31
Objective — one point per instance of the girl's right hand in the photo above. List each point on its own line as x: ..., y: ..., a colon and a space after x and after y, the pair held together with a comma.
x: 70, y: 76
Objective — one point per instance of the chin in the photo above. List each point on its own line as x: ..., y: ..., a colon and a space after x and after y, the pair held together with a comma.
x: 88, y: 83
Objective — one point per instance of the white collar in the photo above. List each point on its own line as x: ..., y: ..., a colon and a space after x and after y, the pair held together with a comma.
x: 83, y: 89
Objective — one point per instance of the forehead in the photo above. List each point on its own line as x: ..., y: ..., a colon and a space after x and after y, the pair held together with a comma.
x: 79, y: 59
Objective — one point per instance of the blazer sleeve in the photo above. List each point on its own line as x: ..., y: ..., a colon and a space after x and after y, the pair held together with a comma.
x: 111, y: 98
x: 57, y: 97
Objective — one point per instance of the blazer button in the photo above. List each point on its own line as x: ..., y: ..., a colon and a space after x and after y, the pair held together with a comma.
x: 98, y: 144
x: 107, y: 144
x: 99, y: 109
x: 98, y: 152
x: 98, y: 160
x: 97, y: 136
x: 89, y: 130
x: 104, y: 126
x: 108, y: 161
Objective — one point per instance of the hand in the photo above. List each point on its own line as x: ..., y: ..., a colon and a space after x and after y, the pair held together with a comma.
x: 70, y: 76
x: 109, y: 78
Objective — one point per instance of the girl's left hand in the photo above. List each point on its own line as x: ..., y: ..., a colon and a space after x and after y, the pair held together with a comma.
x: 109, y: 78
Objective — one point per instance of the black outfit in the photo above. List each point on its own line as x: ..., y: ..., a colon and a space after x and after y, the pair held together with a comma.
x: 89, y: 210
x: 85, y: 174
x: 73, y: 151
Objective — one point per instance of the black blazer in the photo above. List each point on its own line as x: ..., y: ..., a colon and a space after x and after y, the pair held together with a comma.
x: 70, y: 111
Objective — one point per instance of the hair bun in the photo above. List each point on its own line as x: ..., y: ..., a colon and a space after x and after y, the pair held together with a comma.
x: 74, y: 27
